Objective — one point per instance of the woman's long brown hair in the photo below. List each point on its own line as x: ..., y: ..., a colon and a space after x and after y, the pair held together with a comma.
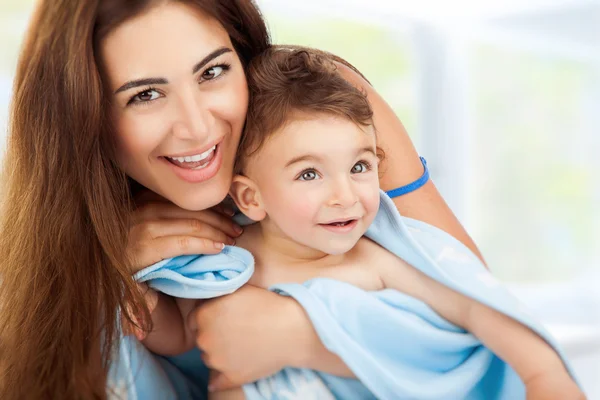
x: 65, y: 203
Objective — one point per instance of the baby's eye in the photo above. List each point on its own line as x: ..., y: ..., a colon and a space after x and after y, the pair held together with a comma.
x: 145, y: 96
x: 360, y: 167
x: 213, y: 72
x: 309, y: 175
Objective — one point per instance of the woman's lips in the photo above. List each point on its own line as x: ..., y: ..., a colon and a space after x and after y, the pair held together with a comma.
x: 200, y: 171
x: 194, y: 164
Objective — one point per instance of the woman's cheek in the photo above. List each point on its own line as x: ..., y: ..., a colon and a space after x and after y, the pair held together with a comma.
x: 231, y: 107
x: 139, y: 135
x: 233, y: 103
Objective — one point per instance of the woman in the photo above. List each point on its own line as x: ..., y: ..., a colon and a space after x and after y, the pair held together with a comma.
x: 111, y: 97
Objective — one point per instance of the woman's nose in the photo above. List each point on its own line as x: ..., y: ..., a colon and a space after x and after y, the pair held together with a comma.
x: 194, y: 120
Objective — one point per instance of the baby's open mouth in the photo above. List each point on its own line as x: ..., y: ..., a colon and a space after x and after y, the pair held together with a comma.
x: 340, y: 223
x: 343, y: 223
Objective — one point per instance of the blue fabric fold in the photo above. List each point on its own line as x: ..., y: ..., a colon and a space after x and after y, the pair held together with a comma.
x: 200, y: 277
x: 397, y: 346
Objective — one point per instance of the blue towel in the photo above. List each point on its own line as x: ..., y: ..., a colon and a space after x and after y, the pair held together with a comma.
x: 397, y: 346
x: 200, y: 277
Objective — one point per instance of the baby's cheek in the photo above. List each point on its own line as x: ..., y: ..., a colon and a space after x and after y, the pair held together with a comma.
x: 372, y: 205
x: 298, y: 215
x: 302, y: 211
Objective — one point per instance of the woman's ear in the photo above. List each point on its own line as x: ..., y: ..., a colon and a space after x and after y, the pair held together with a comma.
x: 246, y: 195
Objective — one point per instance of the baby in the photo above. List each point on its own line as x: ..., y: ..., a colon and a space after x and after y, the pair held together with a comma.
x: 308, y: 174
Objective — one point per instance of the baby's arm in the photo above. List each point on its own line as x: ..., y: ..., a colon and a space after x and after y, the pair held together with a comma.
x: 539, y: 366
x: 526, y: 352
x: 169, y: 335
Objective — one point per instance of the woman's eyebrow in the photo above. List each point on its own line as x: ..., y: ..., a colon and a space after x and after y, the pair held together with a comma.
x: 141, y: 82
x: 161, y: 81
x: 210, y: 57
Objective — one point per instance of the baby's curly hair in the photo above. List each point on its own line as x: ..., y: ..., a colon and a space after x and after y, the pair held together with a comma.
x: 287, y: 79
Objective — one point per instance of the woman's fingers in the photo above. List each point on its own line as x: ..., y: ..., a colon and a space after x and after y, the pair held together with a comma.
x: 224, y: 209
x: 153, y: 241
x: 172, y: 246
x: 182, y: 227
x: 163, y: 230
x: 161, y: 211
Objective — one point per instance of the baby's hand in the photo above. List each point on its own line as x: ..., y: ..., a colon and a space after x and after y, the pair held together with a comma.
x: 553, y: 385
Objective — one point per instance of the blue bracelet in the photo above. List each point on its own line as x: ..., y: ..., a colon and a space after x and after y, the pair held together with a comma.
x: 411, y: 187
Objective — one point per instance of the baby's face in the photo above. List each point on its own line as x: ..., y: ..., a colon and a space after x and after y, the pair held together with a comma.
x: 318, y: 181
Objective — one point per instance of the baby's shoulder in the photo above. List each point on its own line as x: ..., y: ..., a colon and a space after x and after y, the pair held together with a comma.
x: 366, y: 248
x: 361, y: 265
x: 383, y: 263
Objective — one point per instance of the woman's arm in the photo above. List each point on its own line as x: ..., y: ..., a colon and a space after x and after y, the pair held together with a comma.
x: 254, y: 333
x: 168, y: 336
x: 402, y: 166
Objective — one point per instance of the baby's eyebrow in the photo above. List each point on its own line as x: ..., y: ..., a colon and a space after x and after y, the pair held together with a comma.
x: 316, y: 158
x: 366, y: 149
x: 305, y: 157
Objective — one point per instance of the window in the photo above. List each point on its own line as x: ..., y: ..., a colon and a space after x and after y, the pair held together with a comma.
x: 382, y: 53
x: 533, y: 191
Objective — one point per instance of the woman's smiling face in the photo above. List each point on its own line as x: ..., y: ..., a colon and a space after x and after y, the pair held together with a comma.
x: 179, y: 103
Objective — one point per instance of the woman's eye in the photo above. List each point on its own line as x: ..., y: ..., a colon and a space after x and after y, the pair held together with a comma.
x: 308, y: 176
x: 146, y: 95
x: 359, y: 167
x: 212, y: 72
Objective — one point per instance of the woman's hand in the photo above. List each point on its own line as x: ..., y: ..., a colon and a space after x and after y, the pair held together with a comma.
x: 162, y: 230
x: 241, y: 335
x: 254, y: 333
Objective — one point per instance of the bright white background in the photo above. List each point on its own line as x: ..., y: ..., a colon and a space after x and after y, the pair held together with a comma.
x: 503, y: 99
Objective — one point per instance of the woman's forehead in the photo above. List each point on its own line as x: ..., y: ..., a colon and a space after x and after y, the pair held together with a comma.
x: 166, y: 40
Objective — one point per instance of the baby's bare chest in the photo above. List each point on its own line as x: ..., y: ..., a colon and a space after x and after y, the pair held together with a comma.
x: 362, y: 267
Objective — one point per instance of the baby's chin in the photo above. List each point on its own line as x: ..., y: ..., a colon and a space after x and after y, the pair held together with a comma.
x: 339, y: 248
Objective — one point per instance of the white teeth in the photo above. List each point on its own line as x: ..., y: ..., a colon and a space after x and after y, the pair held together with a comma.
x: 201, y: 166
x: 195, y: 158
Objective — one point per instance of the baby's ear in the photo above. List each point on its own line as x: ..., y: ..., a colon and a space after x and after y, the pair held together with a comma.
x: 246, y: 195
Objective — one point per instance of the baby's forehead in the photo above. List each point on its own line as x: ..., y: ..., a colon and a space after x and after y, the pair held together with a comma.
x: 319, y: 134
x: 300, y: 123
x: 306, y: 133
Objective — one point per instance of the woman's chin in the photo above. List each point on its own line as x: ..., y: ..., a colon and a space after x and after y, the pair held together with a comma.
x: 201, y: 198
